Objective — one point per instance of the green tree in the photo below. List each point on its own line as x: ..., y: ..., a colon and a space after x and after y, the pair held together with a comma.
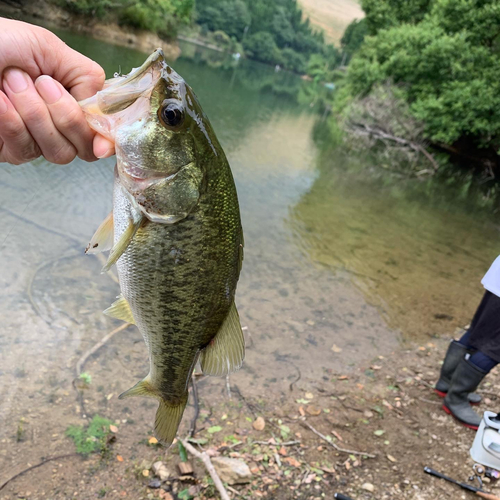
x: 381, y: 14
x: 262, y: 47
x: 353, y: 37
x: 445, y: 61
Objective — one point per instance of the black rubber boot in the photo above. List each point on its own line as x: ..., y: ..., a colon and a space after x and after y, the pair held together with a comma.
x: 454, y: 354
x: 465, y: 380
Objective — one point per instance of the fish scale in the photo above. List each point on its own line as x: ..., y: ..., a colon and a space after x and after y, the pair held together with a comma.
x: 177, y: 240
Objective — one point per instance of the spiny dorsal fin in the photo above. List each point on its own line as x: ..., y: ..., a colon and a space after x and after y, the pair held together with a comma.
x: 226, y: 351
x: 121, y: 245
x: 143, y: 388
x: 120, y: 309
x: 102, y: 241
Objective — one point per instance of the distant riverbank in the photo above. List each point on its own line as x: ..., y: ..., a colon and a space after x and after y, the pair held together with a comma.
x: 51, y: 16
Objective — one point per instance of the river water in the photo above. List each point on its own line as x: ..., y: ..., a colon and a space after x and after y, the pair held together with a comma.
x: 343, y: 262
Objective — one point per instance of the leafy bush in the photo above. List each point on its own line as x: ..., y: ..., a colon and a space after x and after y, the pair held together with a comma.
x: 91, y: 439
x: 443, y: 55
x: 262, y: 47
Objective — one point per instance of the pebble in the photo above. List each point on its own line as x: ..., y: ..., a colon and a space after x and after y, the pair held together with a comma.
x: 154, y: 483
x: 368, y: 487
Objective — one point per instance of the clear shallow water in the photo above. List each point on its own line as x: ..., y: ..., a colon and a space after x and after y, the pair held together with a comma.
x: 335, y: 254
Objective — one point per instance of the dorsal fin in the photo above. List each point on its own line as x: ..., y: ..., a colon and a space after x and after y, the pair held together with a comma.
x: 226, y: 351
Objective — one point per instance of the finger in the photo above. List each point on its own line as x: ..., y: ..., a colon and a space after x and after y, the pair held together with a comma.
x: 43, y: 53
x: 22, y: 94
x: 67, y: 116
x: 102, y: 147
x: 16, y: 144
x: 82, y: 76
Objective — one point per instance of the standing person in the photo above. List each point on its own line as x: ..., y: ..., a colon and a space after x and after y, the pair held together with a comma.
x: 471, y: 358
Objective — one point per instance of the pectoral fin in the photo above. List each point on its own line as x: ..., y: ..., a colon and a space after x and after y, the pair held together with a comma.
x: 121, y: 245
x: 102, y: 241
x: 120, y: 309
x: 226, y: 351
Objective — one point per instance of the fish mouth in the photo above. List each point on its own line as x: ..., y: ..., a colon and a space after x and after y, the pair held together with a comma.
x: 107, y: 109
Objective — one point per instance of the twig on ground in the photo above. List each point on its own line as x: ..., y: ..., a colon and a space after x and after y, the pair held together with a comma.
x: 429, y: 401
x: 236, y: 492
x: 489, y: 393
x: 194, y: 392
x: 250, y: 406
x: 44, y: 461
x: 81, y: 362
x: 209, y: 466
x: 286, y: 443
x: 228, y: 387
x: 338, y: 448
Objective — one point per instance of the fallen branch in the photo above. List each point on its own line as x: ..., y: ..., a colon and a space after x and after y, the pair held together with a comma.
x: 81, y: 362
x: 44, y: 461
x: 381, y: 134
x: 338, y: 448
x: 209, y: 466
x: 286, y: 443
x: 194, y: 391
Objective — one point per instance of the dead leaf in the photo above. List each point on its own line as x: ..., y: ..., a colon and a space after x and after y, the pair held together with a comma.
x: 301, y: 411
x: 119, y: 458
x: 282, y: 451
x: 309, y: 479
x: 165, y: 495
x: 336, y: 348
x: 113, y: 428
x: 292, y: 461
x: 259, y: 424
x: 342, y: 377
x: 337, y: 435
x: 391, y: 458
x: 312, y: 410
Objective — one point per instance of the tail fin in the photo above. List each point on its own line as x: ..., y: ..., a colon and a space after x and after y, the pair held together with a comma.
x: 167, y: 420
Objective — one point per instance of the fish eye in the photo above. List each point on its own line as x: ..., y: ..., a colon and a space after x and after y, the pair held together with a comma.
x: 171, y: 115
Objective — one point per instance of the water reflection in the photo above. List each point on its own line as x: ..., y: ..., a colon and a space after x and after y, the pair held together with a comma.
x: 415, y: 248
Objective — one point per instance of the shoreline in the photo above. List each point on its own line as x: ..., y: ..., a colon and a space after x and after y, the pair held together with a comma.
x: 48, y: 15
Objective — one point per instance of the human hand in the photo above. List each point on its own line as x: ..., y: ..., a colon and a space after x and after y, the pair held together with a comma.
x: 41, y: 81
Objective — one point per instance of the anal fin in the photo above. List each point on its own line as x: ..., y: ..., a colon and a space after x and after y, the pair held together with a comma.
x: 102, y: 241
x: 120, y: 309
x: 144, y: 388
x: 226, y: 351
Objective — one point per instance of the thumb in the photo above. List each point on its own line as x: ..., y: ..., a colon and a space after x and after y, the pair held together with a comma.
x: 79, y: 74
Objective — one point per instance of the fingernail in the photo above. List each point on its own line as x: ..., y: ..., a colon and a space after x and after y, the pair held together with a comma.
x: 16, y: 80
x: 3, y: 105
x: 108, y: 152
x: 48, y: 89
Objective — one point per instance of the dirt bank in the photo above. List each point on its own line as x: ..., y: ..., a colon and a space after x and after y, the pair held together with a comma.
x: 385, y: 408
x: 51, y: 16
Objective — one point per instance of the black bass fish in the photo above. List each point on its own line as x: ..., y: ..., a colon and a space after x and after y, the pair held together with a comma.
x: 174, y: 233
